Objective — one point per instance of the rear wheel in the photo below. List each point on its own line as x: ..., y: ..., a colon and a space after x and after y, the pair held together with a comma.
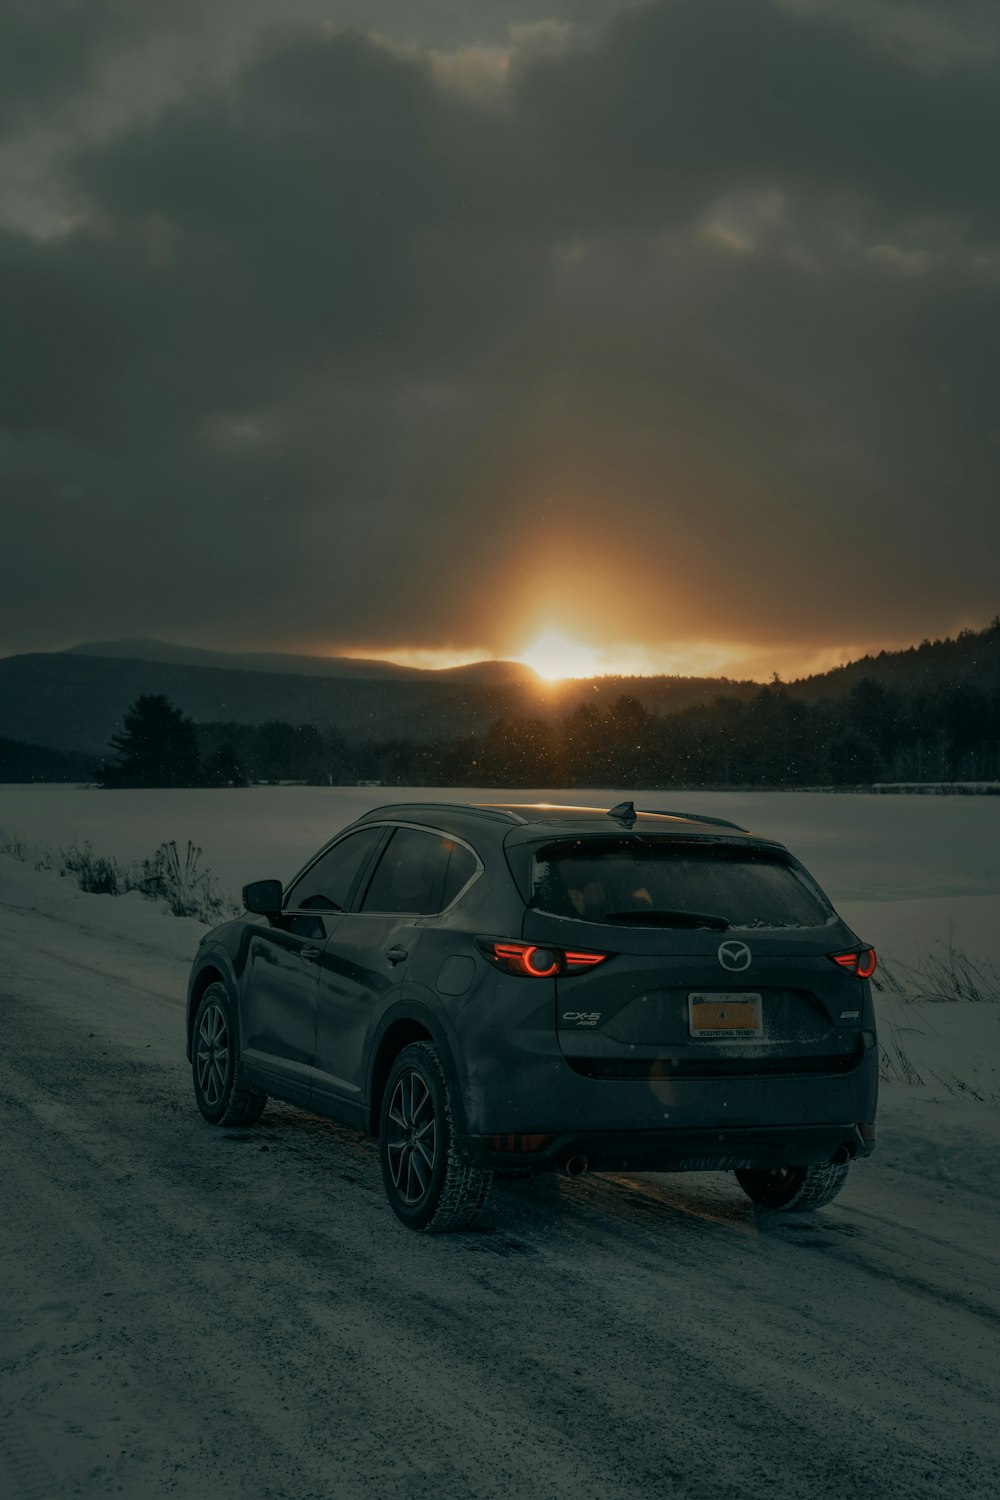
x: 219, y: 1089
x: 430, y: 1185
x: 788, y: 1188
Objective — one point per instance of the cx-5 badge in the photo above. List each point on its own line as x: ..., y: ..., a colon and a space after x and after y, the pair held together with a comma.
x: 734, y: 955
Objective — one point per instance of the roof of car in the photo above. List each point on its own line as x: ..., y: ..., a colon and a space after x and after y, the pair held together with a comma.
x: 536, y: 818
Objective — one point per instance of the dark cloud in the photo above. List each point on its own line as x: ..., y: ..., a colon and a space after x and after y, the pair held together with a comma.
x: 688, y: 101
x: 48, y: 50
x: 682, y: 329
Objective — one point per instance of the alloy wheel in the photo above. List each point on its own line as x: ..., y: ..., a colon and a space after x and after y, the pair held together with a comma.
x: 212, y: 1055
x: 411, y: 1137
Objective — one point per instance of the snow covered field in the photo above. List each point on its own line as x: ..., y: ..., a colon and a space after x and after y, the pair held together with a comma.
x: 913, y: 875
x: 198, y: 1313
x: 905, y: 871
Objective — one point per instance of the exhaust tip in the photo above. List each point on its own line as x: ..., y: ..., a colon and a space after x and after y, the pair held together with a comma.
x: 845, y: 1153
x: 575, y: 1166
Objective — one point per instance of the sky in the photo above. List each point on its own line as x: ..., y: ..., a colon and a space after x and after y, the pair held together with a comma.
x: 662, y: 337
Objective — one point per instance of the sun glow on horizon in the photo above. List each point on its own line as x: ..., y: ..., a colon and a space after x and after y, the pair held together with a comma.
x: 555, y: 657
x: 427, y: 659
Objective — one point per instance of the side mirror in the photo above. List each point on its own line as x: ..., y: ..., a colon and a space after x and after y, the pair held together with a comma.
x: 263, y: 897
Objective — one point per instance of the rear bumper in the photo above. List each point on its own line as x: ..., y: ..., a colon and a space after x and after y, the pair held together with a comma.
x: 520, y: 1089
x: 513, y: 1076
x: 685, y: 1149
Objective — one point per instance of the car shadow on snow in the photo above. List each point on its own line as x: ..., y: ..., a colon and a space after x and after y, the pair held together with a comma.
x: 687, y: 1206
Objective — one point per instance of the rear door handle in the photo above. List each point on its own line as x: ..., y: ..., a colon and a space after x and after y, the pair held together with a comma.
x: 309, y: 955
x: 396, y: 955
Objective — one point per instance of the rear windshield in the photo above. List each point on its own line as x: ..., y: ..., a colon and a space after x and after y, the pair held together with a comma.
x: 648, y: 882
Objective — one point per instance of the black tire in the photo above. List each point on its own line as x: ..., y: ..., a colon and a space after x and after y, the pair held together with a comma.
x: 219, y: 1089
x: 792, y: 1188
x: 430, y: 1185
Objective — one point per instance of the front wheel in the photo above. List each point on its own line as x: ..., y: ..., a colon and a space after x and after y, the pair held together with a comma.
x: 430, y: 1185
x: 792, y: 1188
x: 219, y: 1089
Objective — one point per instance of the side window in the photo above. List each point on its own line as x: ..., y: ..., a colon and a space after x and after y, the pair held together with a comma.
x: 329, y: 884
x: 461, y: 868
x: 418, y: 873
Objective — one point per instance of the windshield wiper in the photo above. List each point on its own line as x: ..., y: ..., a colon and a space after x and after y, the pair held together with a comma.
x: 652, y: 917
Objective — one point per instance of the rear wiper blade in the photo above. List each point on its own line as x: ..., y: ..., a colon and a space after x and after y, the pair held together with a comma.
x: 651, y: 917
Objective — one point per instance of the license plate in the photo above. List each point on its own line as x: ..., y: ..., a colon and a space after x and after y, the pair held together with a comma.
x: 722, y: 1017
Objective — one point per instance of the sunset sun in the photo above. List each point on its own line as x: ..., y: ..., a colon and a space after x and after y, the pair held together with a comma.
x: 554, y: 656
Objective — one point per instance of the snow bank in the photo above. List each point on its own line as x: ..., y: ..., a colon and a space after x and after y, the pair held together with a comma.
x: 130, y: 918
x: 942, y: 1051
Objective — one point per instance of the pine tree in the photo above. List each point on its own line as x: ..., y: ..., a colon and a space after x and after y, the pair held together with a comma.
x: 157, y: 747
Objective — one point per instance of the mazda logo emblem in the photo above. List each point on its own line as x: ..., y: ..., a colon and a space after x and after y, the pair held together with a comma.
x: 734, y: 955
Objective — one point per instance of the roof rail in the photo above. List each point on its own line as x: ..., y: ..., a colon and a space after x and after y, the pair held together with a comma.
x: 452, y: 807
x: 494, y: 810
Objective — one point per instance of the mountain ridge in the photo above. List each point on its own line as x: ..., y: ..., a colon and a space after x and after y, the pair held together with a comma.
x: 75, y: 700
x: 297, y: 663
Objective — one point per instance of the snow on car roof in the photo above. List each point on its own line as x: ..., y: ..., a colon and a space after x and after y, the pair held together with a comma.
x: 534, y: 815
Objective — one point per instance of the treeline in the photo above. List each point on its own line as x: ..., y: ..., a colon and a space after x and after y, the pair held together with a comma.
x: 774, y: 739
x: 971, y: 658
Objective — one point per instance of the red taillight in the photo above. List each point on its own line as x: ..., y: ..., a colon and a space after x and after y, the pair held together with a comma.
x: 537, y: 960
x: 527, y: 958
x: 576, y: 960
x: 861, y: 962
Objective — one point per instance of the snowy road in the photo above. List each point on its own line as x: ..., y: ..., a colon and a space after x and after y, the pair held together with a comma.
x: 214, y: 1314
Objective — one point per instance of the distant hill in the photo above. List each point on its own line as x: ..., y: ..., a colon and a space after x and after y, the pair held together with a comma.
x: 970, y: 659
x: 74, y: 701
x: 488, y: 672
x: 21, y: 763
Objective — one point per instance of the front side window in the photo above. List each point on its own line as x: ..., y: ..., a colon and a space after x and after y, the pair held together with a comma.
x: 644, y: 882
x: 329, y: 883
x: 419, y: 873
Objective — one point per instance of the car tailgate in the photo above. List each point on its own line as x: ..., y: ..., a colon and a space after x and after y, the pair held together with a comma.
x: 664, y: 998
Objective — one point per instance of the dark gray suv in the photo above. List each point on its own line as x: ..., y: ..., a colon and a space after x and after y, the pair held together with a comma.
x: 503, y: 987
